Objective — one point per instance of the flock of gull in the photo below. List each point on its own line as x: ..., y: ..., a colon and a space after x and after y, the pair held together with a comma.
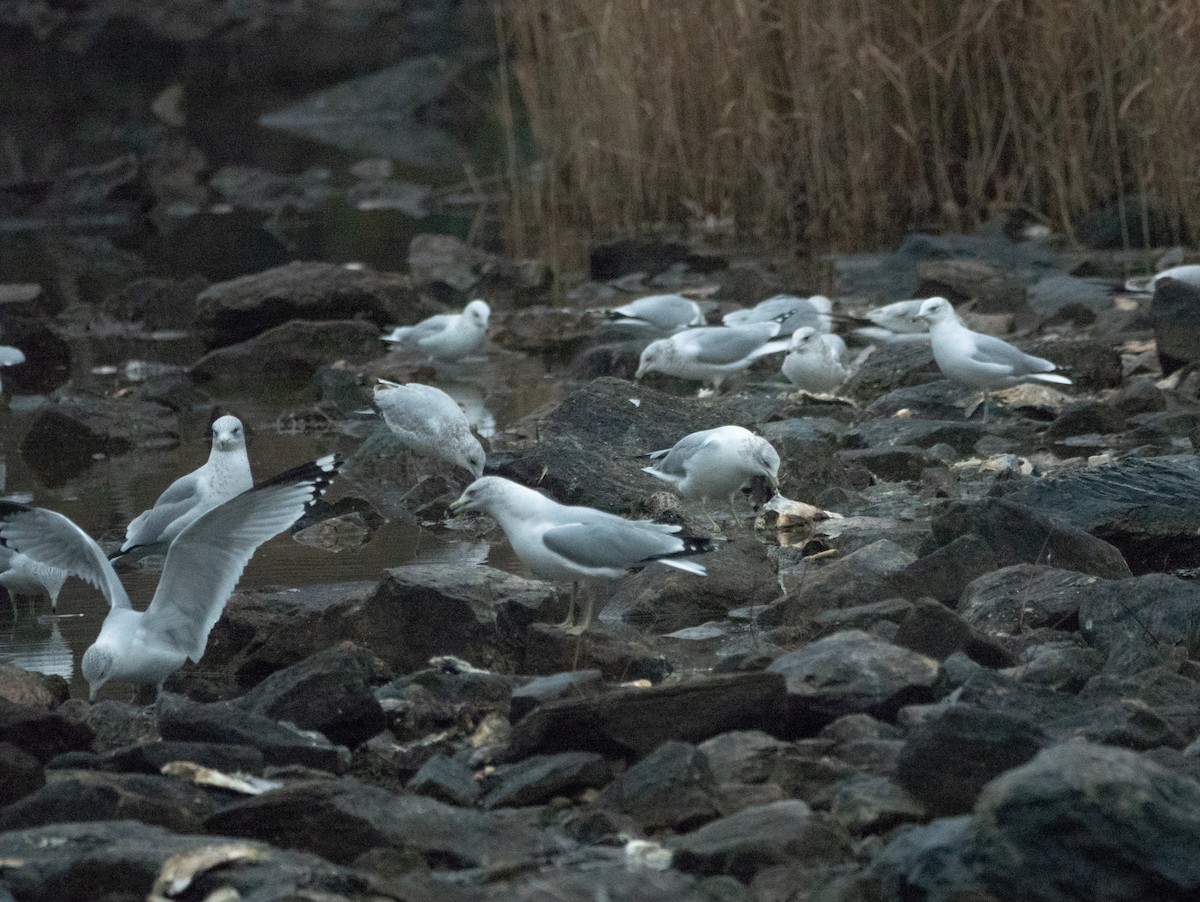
x: 211, y: 521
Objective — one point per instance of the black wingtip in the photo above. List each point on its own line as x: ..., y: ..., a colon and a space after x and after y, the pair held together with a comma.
x: 698, y: 545
x: 320, y: 472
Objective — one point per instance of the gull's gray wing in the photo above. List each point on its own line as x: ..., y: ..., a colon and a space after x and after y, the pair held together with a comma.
x: 426, y: 327
x: 178, y: 498
x: 207, y: 558
x: 994, y: 351
x: 662, y: 311
x: 615, y: 546
x: 50, y: 538
x: 725, y: 345
x: 677, y: 457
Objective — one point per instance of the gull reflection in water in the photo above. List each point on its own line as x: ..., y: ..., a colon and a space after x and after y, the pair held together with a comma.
x: 470, y: 398
x: 37, y: 644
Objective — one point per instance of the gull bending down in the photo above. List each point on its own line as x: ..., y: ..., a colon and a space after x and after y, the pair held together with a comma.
x: 203, y: 565
x: 447, y: 336
x: 225, y: 474
x: 817, y: 362
x: 715, y: 463
x: 789, y: 311
x: 711, y: 352
x: 658, y: 313
x: 428, y: 421
x: 559, y: 542
x: 895, y: 322
x: 977, y: 360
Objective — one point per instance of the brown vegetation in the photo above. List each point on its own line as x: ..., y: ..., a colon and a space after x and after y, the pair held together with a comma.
x: 845, y: 122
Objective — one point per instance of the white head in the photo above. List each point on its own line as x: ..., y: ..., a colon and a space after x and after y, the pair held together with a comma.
x: 656, y: 353
x: 468, y: 453
x: 493, y: 495
x: 228, y: 435
x: 97, y: 667
x: 804, y: 339
x: 477, y: 313
x: 936, y: 310
x: 766, y: 458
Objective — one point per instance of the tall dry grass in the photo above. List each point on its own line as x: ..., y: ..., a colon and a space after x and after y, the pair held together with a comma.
x: 846, y: 121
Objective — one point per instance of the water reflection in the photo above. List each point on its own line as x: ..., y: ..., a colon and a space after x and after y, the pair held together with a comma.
x: 470, y: 398
x: 36, y: 643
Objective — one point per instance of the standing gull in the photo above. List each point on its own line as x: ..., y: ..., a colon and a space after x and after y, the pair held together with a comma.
x: 428, y: 421
x: 980, y: 361
x: 715, y: 463
x: 225, y: 474
x: 789, y: 311
x: 447, y: 336
x: 660, y: 314
x: 21, y: 575
x: 816, y: 361
x: 711, y: 352
x: 577, y: 543
x: 203, y: 565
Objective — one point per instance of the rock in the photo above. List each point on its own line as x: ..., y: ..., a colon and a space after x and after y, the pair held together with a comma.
x: 27, y: 689
x: 892, y: 366
x: 331, y: 692
x: 935, y: 399
x: 556, y: 332
x: 745, y: 756
x: 540, y: 690
x: 745, y: 843
x: 672, y: 787
x: 945, y: 573
x: 1091, y: 365
x: 631, y: 723
x: 158, y: 303
x: 338, y: 819
x: 454, y: 271
x: 933, y: 630
x: 447, y: 780
x: 811, y: 464
x: 867, y: 805
x: 237, y: 310
x: 899, y: 463
x: 149, y: 757
x: 1082, y: 418
x: 993, y: 290
x: 1175, y: 313
x: 1064, y: 666
x: 293, y: 351
x: 886, y: 432
x: 20, y: 773
x: 1135, y: 623
x: 64, y: 861
x: 947, y: 760
x: 851, y: 672
x: 118, y: 724
x: 1025, y: 597
x: 1149, y: 509
x: 181, y: 719
x: 540, y: 778
x: 1017, y: 534
x: 47, y: 356
x: 41, y: 733
x: 1081, y: 815
x: 621, y: 258
x: 88, y: 795
x: 866, y: 575
x: 928, y: 860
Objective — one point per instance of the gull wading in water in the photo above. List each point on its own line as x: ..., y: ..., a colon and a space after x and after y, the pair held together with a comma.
x: 977, y: 360
x: 21, y: 575
x: 203, y: 566
x: 661, y: 314
x: 715, y: 463
x: 560, y: 542
x: 224, y: 475
x: 430, y: 422
x: 816, y: 361
x: 447, y: 336
x: 711, y: 352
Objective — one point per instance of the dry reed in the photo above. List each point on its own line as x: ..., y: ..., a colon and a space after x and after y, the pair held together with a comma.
x: 845, y: 122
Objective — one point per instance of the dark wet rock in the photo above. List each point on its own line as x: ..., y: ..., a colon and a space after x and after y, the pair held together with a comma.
x: 568, y: 684
x: 42, y: 733
x: 666, y: 599
x: 73, y: 427
x: 47, y: 357
x: 947, y: 761
x: 1175, y: 313
x: 811, y: 464
x: 1025, y: 596
x: 1138, y: 623
x: 851, y: 672
x: 885, y: 432
x: 756, y: 838
x: 1147, y: 508
x: 927, y: 860
x: 339, y: 819
x: 992, y: 289
x: 939, y: 399
x: 149, y: 757
x: 181, y: 719
x: 292, y: 351
x: 898, y: 463
x: 892, y: 366
x: 332, y: 692
x: 242, y: 308
x: 123, y: 859
x: 1084, y: 417
x: 607, y: 877
x: 452, y: 269
x: 945, y: 573
x: 1081, y: 815
x: 158, y: 303
x: 556, y: 332
x: 1018, y: 534
x: 672, y: 787
x: 866, y: 575
x: 89, y: 795
x: 118, y: 724
x: 446, y: 779
x: 28, y: 689
x: 621, y: 258
x: 540, y: 778
x: 1091, y: 365
x: 631, y: 723
x: 1065, y: 666
x: 933, y: 630
x: 256, y: 189
x: 444, y: 695
x: 745, y: 756
x: 865, y: 805
x: 1140, y: 395
x: 879, y: 618
x: 20, y: 773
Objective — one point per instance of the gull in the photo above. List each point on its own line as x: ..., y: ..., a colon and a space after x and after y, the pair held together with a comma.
x: 10, y: 356
x: 715, y: 463
x: 711, y: 352
x: 428, y: 421
x: 895, y: 322
x: 226, y: 473
x: 22, y: 575
x: 816, y: 361
x: 980, y: 361
x: 1145, y: 284
x: 658, y: 313
x: 559, y: 542
x: 203, y: 565
x: 789, y: 311
x: 447, y: 336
